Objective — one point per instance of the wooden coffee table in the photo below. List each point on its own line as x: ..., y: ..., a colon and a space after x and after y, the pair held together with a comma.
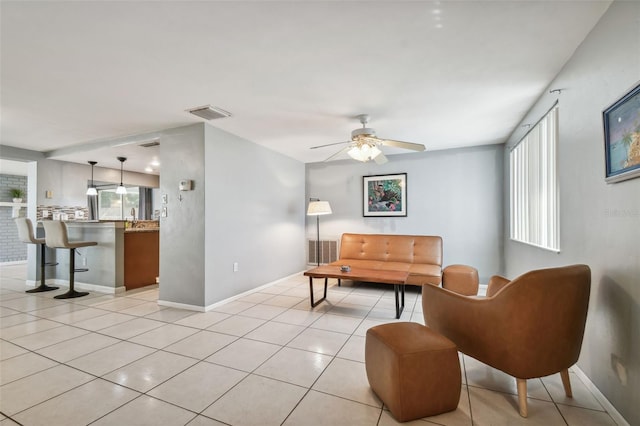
x: 397, y: 278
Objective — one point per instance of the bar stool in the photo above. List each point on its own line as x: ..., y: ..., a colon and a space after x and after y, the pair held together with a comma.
x: 26, y: 235
x: 57, y: 236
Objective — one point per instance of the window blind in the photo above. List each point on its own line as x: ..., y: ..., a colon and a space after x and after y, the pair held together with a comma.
x: 534, y: 208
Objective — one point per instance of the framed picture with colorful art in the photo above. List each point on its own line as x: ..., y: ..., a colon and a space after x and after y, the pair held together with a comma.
x: 621, y: 123
x: 384, y: 195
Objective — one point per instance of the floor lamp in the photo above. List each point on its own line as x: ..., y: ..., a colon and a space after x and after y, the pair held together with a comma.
x: 317, y: 208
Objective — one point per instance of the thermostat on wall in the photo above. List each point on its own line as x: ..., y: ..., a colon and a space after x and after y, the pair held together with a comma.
x: 185, y: 185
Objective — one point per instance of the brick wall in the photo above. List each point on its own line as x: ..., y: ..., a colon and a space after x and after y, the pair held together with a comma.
x: 11, y: 249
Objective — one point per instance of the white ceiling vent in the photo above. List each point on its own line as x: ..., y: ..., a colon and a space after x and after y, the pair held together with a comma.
x: 209, y: 112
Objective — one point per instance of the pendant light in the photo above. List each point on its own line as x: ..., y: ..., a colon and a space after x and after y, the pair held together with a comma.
x: 92, y: 189
x: 121, y: 189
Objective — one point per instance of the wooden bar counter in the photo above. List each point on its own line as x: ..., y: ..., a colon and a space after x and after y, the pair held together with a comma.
x: 141, y: 257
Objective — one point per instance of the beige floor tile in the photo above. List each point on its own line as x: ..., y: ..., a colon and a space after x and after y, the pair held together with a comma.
x: 321, y: 409
x: 321, y: 341
x: 366, y: 324
x: 110, y: 358
x: 358, y: 299
x: 36, y: 388
x: 143, y: 309
x: 131, y: 327
x: 283, y: 301
x: 323, y: 307
x: 294, y: 366
x: 196, y: 388
x: 49, y: 337
x: 301, y: 291
x: 459, y: 417
x: 77, y: 347
x: 94, y: 299
x: 14, y: 318
x: 483, y: 376
x: 163, y: 336
x: 79, y: 406
x: 353, y: 349
x: 146, y: 411
x: 150, y: 295
x: 350, y: 310
x: 256, y: 297
x: 148, y: 372
x: 119, y: 303
x: 55, y: 311
x: 204, y: 421
x: 337, y: 323
x: 27, y: 328
x: 347, y: 379
x: 201, y: 344
x: 203, y: 319
x: 30, y: 303
x: 103, y: 321
x: 265, y: 312
x: 9, y: 350
x: 233, y: 307
x: 497, y: 408
x: 388, y: 315
x: 298, y: 317
x: 23, y: 365
x: 237, y: 325
x: 244, y: 354
x: 79, y: 315
x: 256, y: 401
x: 170, y: 315
x: 582, y: 397
x: 576, y: 416
x: 386, y: 419
x: 275, y: 332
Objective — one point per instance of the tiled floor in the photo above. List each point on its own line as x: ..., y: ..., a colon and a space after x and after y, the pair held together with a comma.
x: 265, y: 359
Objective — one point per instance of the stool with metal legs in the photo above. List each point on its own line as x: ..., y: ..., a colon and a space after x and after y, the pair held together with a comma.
x: 26, y: 235
x: 57, y: 236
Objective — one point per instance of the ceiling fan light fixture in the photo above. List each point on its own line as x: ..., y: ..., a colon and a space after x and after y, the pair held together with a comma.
x: 364, y: 152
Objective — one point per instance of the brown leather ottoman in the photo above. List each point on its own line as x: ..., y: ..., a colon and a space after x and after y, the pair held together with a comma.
x: 413, y: 370
x: 461, y: 279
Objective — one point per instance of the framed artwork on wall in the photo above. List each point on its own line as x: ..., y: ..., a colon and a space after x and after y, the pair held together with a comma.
x: 621, y: 123
x: 384, y: 195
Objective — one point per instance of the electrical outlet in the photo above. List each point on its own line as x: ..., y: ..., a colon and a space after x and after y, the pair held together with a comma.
x: 84, y: 261
x: 164, y: 212
x: 235, y: 266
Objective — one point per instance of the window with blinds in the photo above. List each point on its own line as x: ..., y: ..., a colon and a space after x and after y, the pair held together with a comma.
x: 534, y: 185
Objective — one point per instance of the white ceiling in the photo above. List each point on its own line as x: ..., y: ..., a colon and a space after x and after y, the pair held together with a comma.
x: 293, y: 73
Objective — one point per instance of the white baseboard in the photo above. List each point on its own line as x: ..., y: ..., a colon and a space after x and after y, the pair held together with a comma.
x: 13, y: 263
x: 80, y: 286
x: 611, y: 410
x: 222, y: 302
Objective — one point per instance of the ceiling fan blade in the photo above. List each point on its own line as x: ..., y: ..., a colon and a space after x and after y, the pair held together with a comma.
x: 381, y: 159
x: 403, y: 145
x: 329, y: 144
x: 345, y: 149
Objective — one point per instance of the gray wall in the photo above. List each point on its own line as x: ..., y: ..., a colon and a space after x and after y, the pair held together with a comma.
x: 246, y: 206
x: 600, y: 223
x: 182, y: 232
x: 255, y: 212
x: 452, y: 193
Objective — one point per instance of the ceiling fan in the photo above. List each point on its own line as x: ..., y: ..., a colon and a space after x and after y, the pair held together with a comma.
x: 365, y: 145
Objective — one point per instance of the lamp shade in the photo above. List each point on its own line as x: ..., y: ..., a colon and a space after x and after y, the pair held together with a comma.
x: 92, y: 191
x: 317, y: 208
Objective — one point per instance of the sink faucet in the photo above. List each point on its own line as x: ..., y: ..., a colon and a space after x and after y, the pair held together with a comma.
x: 133, y: 213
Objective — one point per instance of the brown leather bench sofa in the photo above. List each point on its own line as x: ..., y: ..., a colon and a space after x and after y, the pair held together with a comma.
x: 420, y: 256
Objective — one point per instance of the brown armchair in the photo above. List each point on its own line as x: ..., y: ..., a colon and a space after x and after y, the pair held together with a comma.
x: 529, y: 327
